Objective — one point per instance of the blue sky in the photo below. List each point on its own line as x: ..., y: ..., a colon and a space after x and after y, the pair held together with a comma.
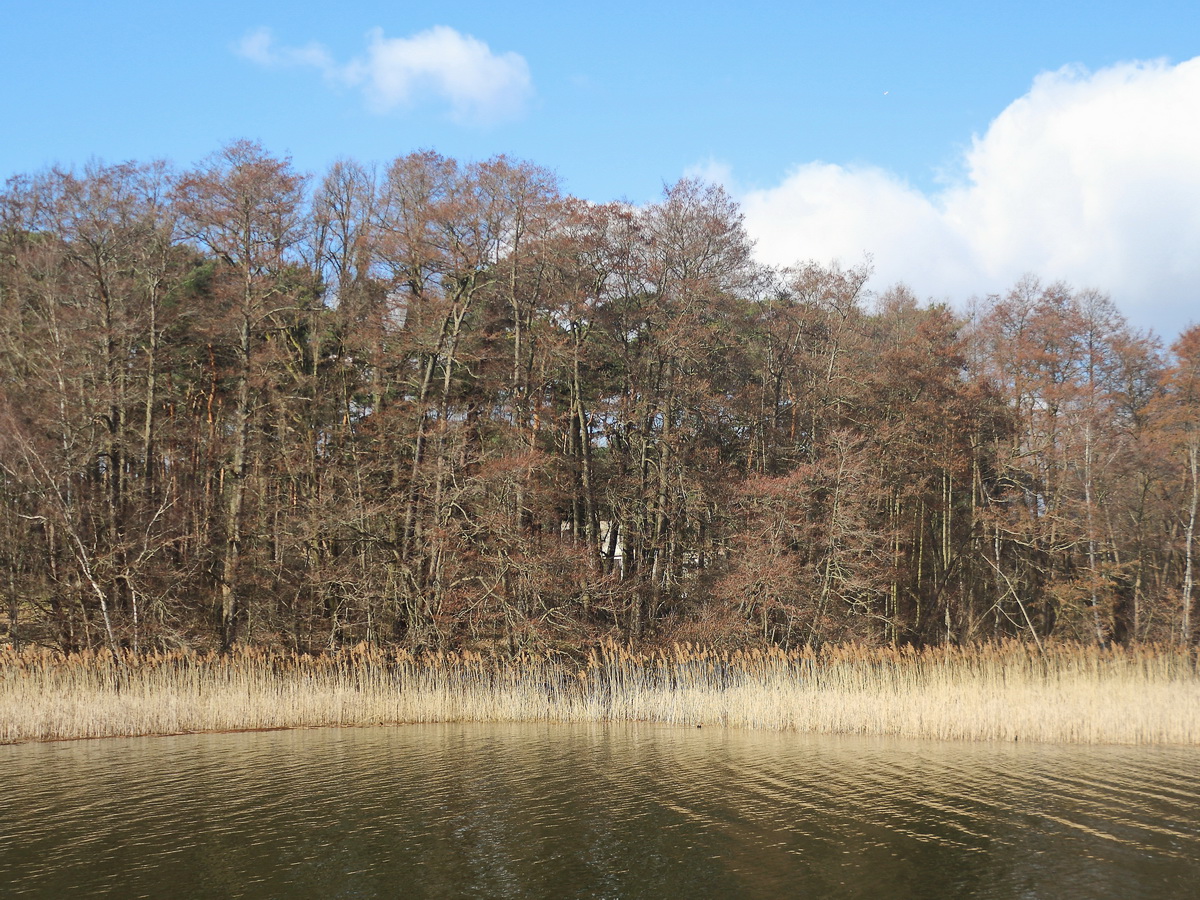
x: 883, y: 116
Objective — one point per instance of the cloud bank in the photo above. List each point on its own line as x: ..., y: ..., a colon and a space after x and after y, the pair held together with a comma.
x: 476, y: 85
x: 1093, y: 178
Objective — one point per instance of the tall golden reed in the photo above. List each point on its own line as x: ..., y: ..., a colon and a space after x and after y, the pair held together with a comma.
x: 1069, y: 693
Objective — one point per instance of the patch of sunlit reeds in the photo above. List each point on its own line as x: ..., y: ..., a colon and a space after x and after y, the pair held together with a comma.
x: 1069, y: 693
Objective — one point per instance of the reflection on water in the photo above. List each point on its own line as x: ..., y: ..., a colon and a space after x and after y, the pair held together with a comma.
x: 593, y: 811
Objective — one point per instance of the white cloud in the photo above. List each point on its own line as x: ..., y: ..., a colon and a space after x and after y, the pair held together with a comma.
x: 828, y: 212
x: 477, y: 86
x: 1089, y: 177
x: 259, y: 46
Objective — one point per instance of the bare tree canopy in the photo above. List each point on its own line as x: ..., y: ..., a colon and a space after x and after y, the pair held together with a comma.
x: 444, y: 404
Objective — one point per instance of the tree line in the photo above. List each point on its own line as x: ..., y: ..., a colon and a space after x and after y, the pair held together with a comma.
x: 446, y: 404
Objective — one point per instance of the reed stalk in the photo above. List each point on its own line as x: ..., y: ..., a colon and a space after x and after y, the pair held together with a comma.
x: 1008, y: 692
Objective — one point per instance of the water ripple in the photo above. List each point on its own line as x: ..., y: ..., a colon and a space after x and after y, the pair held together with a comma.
x: 622, y: 811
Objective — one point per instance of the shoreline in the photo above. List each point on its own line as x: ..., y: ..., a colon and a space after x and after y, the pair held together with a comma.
x: 1070, y: 694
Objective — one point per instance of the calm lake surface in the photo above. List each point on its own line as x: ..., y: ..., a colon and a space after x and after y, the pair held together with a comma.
x: 593, y: 811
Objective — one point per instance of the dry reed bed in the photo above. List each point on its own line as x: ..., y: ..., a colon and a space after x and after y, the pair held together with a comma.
x: 1075, y: 694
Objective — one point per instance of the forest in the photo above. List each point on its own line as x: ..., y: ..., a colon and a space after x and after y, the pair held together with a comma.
x: 446, y: 406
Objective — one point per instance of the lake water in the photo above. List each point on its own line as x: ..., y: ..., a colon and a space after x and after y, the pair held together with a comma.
x: 593, y: 811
